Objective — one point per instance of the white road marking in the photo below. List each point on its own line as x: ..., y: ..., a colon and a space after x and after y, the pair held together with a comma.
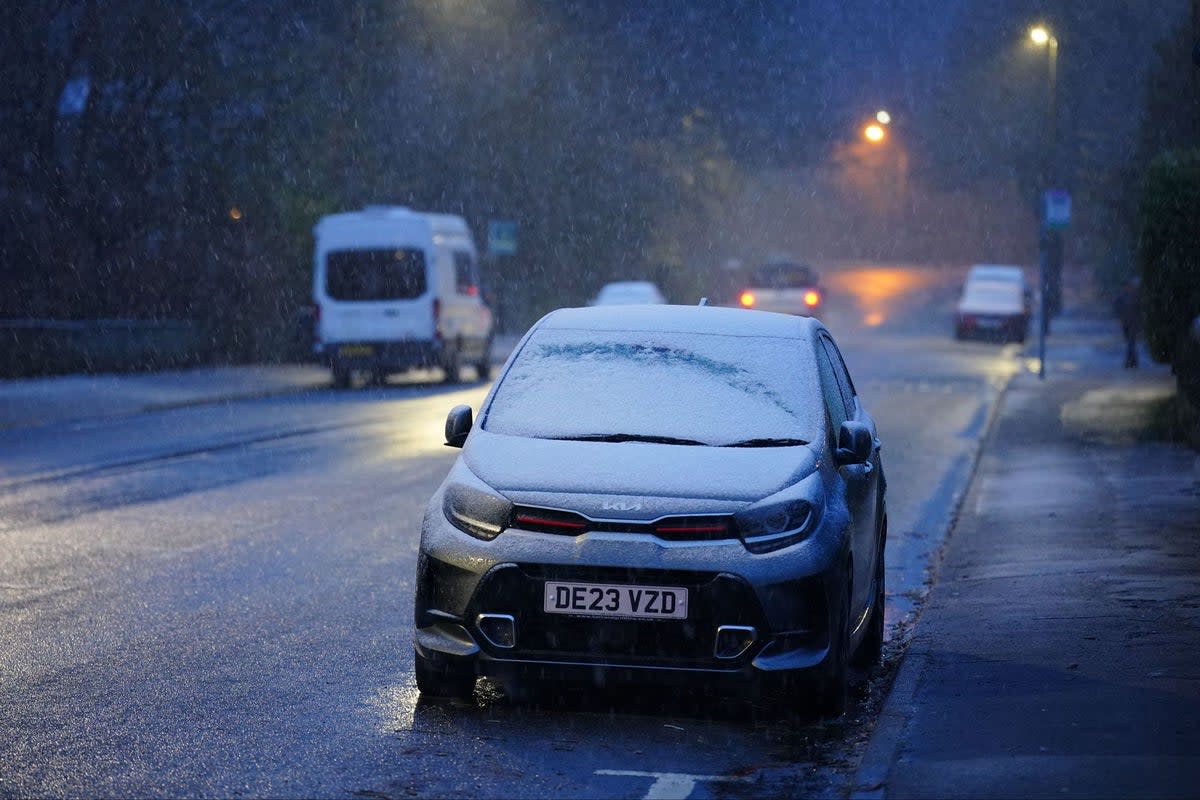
x: 672, y: 785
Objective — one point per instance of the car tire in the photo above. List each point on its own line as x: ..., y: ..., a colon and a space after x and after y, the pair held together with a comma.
x: 443, y: 680
x: 341, y: 378
x: 870, y: 649
x: 834, y: 690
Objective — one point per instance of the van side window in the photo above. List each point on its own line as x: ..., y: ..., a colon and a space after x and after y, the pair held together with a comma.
x: 466, y: 274
x: 376, y: 274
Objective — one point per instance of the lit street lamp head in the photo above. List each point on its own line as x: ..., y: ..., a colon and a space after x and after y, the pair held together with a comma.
x: 874, y: 132
x: 883, y: 117
x: 1039, y: 35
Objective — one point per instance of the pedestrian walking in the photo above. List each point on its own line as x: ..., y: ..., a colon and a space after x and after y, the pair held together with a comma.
x: 1128, y: 308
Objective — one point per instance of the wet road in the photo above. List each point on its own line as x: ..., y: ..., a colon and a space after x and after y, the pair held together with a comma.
x: 217, y: 600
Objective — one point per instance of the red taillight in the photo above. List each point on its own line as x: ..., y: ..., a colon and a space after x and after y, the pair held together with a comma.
x: 546, y: 522
x: 747, y: 299
x: 811, y: 298
x: 472, y: 291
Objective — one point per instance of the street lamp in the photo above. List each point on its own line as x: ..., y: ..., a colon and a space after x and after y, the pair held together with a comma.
x: 874, y: 133
x: 883, y: 117
x: 1042, y: 37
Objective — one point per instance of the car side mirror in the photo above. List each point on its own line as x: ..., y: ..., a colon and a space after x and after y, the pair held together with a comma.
x: 855, y: 443
x: 458, y: 425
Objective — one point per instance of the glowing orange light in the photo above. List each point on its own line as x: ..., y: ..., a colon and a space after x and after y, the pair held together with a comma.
x: 874, y: 132
x: 874, y: 319
x: 811, y: 298
x: 748, y: 299
x: 235, y: 213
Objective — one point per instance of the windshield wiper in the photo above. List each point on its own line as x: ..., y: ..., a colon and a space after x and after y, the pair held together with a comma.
x: 767, y: 443
x: 630, y: 437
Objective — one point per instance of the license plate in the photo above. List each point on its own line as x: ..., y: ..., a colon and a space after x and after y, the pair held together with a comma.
x: 616, y: 600
x: 356, y: 350
x: 990, y: 322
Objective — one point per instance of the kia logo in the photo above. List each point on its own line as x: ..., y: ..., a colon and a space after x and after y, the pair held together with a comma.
x: 619, y: 506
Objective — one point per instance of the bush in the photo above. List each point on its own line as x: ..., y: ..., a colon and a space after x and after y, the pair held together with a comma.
x: 1169, y: 256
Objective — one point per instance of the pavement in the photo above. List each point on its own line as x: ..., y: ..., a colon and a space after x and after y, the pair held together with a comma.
x: 1058, y: 651
x: 72, y: 398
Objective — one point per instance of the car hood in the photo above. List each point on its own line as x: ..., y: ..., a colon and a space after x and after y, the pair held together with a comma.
x: 633, y: 480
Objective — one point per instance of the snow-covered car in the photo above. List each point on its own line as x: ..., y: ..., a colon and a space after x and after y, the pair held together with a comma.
x: 1004, y: 273
x: 623, y: 293
x: 993, y: 310
x: 659, y: 495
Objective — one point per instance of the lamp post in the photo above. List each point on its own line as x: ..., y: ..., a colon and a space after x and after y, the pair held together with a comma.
x: 1049, y: 244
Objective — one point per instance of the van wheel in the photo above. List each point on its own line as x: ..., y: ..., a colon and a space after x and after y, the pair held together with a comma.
x: 452, y: 366
x: 341, y: 378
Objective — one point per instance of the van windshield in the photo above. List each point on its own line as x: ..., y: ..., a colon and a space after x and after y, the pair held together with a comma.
x: 375, y: 274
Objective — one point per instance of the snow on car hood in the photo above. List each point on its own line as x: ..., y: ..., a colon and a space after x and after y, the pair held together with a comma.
x: 607, y: 479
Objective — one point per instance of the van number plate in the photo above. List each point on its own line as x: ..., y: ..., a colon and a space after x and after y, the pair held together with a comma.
x: 616, y: 600
x: 356, y: 350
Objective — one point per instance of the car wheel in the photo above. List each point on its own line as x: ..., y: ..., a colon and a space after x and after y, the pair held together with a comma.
x: 443, y: 680
x: 870, y: 649
x: 341, y: 378
x: 833, y: 691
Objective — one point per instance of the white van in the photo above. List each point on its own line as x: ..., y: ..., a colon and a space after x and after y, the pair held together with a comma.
x: 396, y: 289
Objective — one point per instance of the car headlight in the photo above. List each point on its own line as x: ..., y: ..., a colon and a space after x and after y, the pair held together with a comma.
x: 481, y: 514
x: 773, y: 527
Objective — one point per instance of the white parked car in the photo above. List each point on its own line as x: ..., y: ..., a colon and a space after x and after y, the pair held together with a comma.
x: 993, y: 310
x: 1005, y: 273
x: 626, y: 293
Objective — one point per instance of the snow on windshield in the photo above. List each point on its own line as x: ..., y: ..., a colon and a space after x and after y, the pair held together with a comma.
x: 713, y: 388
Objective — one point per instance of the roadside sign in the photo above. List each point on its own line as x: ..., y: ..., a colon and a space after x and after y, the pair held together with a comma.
x: 1057, y: 209
x: 502, y: 237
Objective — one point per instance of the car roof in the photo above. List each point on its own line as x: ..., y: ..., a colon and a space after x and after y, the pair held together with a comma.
x: 683, y: 319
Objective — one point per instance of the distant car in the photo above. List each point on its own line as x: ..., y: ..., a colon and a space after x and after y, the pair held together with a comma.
x: 993, y: 310
x: 659, y: 496
x: 623, y: 293
x: 1004, y: 273
x: 786, y: 287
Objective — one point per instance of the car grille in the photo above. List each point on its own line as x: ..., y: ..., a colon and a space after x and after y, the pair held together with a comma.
x: 713, y: 599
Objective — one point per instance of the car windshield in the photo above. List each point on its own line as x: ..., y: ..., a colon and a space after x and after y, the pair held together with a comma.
x: 706, y: 388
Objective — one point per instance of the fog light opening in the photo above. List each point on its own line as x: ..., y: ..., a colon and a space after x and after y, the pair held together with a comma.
x: 733, y: 641
x: 499, y: 629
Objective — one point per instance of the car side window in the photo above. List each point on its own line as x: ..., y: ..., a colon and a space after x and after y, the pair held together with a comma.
x: 831, y: 392
x: 466, y: 274
x: 840, y: 374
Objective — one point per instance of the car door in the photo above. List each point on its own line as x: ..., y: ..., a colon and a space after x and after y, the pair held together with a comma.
x: 862, y: 480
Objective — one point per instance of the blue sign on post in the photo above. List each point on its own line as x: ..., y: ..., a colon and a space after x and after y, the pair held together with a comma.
x: 502, y: 237
x: 1056, y: 209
